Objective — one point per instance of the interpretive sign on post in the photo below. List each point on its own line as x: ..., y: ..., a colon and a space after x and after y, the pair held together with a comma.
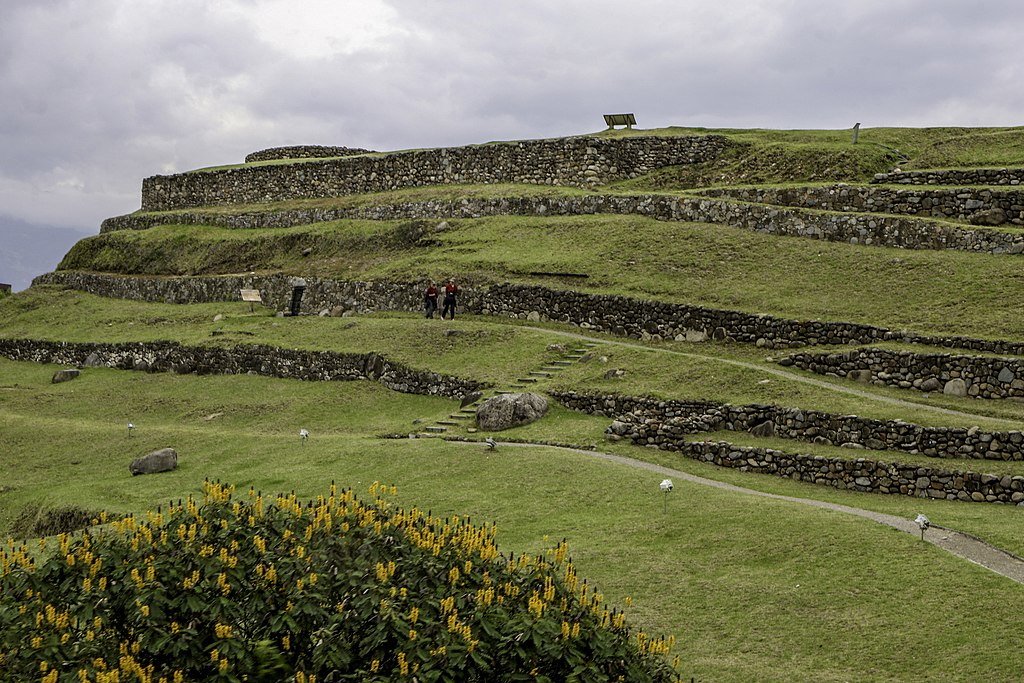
x: 612, y: 120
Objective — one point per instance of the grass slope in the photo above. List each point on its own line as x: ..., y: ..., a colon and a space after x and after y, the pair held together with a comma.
x: 756, y: 589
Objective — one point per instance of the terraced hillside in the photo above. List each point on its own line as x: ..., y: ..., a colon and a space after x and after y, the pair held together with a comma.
x: 837, y: 326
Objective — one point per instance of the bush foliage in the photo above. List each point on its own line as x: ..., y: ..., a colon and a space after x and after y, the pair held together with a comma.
x: 335, y: 589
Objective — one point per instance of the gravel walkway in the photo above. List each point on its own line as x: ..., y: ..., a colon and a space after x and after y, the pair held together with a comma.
x: 960, y: 544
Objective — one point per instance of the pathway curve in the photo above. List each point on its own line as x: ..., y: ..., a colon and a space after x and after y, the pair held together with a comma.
x: 958, y: 543
x: 853, y: 391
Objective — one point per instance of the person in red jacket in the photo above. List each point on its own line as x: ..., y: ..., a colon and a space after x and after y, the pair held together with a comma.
x: 430, y: 299
x: 450, y: 290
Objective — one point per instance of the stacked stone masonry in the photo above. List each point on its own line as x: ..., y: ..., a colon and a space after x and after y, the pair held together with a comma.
x: 975, y: 376
x: 974, y: 176
x: 580, y: 162
x: 814, y: 426
x: 304, y: 152
x: 669, y: 425
x: 867, y: 476
x: 981, y: 206
x: 875, y: 230
x: 619, y: 315
x: 241, y: 359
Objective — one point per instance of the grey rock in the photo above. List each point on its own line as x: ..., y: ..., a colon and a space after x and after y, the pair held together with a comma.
x: 1006, y: 376
x: 994, y: 216
x: 510, y: 410
x: 955, y: 387
x: 766, y: 428
x: 859, y: 375
x: 931, y: 384
x: 93, y: 360
x: 65, y: 375
x: 470, y: 398
x: 162, y: 460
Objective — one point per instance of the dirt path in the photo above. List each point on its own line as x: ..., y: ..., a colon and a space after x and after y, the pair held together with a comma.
x: 960, y: 544
x: 853, y: 391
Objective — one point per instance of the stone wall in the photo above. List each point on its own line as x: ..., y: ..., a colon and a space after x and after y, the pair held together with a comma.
x: 579, y: 161
x: 975, y: 376
x: 974, y: 176
x: 982, y: 206
x: 619, y: 315
x: 304, y: 152
x: 867, y: 476
x: 251, y: 359
x: 850, y: 431
x: 876, y: 230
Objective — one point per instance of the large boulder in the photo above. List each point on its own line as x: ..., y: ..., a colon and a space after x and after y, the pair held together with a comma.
x: 162, y: 460
x: 505, y: 411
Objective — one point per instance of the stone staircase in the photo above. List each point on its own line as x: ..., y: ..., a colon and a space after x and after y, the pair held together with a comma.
x: 463, y: 420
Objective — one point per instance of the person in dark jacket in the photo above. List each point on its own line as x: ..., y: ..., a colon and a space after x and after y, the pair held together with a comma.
x: 450, y: 290
x: 430, y: 299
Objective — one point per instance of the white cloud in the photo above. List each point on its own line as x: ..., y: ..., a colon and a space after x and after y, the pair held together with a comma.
x: 313, y: 29
x: 97, y: 94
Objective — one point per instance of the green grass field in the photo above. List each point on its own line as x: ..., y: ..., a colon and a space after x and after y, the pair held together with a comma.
x: 755, y: 589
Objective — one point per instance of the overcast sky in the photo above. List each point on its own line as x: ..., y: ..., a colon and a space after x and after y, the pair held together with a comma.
x: 95, y: 95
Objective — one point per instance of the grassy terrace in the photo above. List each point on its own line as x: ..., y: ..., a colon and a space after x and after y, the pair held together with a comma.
x: 755, y: 589
x: 716, y: 266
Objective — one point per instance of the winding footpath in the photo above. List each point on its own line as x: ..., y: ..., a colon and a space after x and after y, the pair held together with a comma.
x: 852, y: 391
x: 958, y: 543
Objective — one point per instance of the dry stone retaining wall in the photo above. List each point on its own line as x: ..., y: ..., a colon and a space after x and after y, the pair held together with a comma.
x: 303, y: 152
x: 975, y: 176
x: 851, y: 431
x: 966, y: 204
x: 889, y: 231
x: 867, y: 476
x: 241, y: 359
x: 976, y: 376
x: 578, y: 161
x: 623, y: 316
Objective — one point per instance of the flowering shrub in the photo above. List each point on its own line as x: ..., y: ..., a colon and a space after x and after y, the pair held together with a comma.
x: 335, y: 589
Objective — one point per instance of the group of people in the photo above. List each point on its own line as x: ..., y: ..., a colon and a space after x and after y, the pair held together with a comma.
x: 430, y: 299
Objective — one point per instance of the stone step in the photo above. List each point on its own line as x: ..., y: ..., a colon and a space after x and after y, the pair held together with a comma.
x: 553, y: 369
x: 448, y: 423
x: 471, y: 411
x: 526, y: 379
x: 591, y: 345
x: 572, y: 356
x: 436, y: 430
x: 562, y: 363
x: 539, y: 373
x: 458, y: 417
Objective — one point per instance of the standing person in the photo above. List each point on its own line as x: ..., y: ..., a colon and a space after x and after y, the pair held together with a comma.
x: 450, y: 290
x: 430, y: 299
